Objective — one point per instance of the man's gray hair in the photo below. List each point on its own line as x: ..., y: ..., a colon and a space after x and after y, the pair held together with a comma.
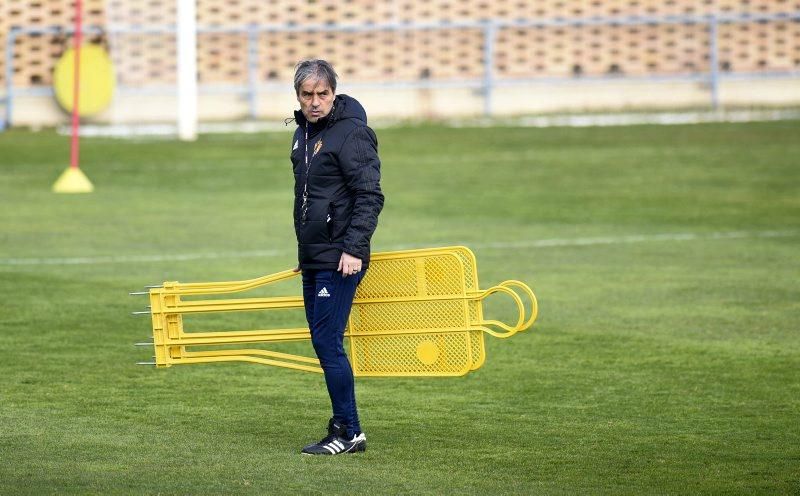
x: 314, y: 69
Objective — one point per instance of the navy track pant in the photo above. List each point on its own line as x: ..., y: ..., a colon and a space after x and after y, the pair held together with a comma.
x: 328, y: 298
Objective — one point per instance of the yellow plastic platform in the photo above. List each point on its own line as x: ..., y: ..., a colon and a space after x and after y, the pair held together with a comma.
x: 415, y: 313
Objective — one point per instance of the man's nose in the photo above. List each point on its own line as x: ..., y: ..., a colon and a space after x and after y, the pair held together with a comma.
x: 315, y: 101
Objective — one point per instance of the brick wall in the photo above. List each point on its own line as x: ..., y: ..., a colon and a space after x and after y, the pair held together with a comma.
x: 410, y: 55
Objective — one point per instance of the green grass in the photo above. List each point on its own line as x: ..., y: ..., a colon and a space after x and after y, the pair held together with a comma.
x: 657, y: 367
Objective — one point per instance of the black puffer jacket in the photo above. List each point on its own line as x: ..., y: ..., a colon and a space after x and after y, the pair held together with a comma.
x: 344, y: 192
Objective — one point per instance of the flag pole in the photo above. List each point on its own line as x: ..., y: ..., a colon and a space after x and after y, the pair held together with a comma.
x: 73, y: 180
x: 76, y: 86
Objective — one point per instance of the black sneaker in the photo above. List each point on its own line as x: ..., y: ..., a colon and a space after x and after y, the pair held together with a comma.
x: 336, y: 443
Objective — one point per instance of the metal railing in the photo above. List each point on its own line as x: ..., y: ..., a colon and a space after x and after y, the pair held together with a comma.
x: 488, y: 83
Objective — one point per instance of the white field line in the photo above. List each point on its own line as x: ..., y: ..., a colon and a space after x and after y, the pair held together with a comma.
x: 539, y: 243
x: 114, y: 259
x: 638, y: 238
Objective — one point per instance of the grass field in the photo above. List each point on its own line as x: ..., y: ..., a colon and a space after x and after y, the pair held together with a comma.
x: 666, y: 359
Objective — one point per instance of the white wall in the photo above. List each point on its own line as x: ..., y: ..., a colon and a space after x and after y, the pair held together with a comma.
x: 535, y: 98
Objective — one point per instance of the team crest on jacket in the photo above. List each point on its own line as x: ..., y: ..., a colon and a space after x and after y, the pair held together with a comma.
x: 317, y: 147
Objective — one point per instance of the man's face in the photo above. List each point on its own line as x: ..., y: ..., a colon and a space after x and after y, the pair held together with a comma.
x: 316, y: 99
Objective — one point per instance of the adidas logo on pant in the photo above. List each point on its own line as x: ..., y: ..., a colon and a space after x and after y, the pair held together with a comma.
x: 323, y: 293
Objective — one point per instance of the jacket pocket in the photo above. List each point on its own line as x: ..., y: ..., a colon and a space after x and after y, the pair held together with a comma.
x: 329, y: 220
x: 340, y: 212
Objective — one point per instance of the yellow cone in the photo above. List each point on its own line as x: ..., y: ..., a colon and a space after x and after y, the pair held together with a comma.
x: 73, y: 180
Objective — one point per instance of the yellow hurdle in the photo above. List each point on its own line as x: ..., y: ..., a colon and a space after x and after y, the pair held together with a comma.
x: 415, y: 313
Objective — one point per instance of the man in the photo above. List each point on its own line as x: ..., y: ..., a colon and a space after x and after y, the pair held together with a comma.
x: 337, y: 202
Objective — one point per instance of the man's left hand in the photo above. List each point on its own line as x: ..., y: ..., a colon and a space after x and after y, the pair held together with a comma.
x: 349, y: 265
